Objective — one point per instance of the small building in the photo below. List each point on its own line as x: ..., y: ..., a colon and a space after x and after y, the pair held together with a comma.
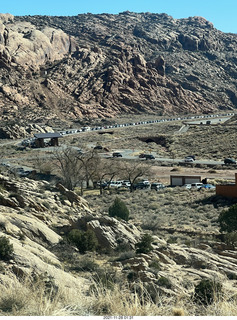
x: 51, y: 136
x: 181, y: 180
x: 227, y: 190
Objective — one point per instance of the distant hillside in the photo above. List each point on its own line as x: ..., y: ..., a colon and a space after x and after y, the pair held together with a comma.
x: 87, y: 66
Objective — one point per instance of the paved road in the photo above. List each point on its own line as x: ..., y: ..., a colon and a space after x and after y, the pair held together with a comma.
x: 134, y: 154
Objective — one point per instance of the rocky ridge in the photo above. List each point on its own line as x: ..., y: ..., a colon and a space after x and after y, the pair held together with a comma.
x: 88, y: 66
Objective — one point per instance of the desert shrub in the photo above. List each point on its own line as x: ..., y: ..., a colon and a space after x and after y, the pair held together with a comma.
x: 126, y: 255
x: 11, y: 302
x: 106, y: 278
x: 231, y: 238
x: 6, y: 248
x: 154, y: 264
x: 145, y: 245
x: 172, y: 240
x: 206, y: 291
x: 228, y: 219
x: 164, y: 282
x: 150, y: 224
x: 85, y: 264
x: 132, y: 276
x: 83, y: 240
x: 119, y: 210
x: 154, y: 206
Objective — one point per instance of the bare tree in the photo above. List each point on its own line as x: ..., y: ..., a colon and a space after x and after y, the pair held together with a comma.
x: 70, y: 168
x: 134, y: 170
x: 42, y: 164
x: 75, y: 167
x: 90, y: 161
x: 106, y: 169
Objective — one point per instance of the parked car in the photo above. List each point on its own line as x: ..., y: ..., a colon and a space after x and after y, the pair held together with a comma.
x: 187, y: 186
x: 157, y: 186
x: 115, y: 184
x: 103, y: 184
x: 117, y: 154
x: 146, y: 182
x: 188, y: 159
x: 229, y: 161
x: 196, y: 185
x: 141, y: 185
x: 98, y: 148
x: 208, y: 186
x: 149, y: 156
x: 142, y: 155
x: 126, y: 183
x: 193, y: 157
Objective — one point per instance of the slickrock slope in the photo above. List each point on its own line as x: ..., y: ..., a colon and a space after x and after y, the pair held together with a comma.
x: 70, y: 68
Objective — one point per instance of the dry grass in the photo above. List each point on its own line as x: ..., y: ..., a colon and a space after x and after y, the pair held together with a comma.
x: 171, y: 208
x: 30, y: 298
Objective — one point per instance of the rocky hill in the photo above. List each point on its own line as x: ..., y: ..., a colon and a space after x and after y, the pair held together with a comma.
x: 87, y: 66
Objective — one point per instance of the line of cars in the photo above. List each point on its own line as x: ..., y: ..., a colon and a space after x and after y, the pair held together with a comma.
x: 198, y: 186
x: 83, y: 129
x: 227, y: 161
x: 22, y: 172
x: 144, y: 184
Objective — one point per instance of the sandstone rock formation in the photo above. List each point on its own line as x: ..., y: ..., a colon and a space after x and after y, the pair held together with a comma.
x: 182, y: 267
x: 57, y: 69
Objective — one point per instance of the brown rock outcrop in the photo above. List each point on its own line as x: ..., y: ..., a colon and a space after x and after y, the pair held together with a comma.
x: 91, y: 66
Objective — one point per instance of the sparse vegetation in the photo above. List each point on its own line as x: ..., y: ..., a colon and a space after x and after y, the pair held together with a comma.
x: 119, y: 210
x: 207, y: 291
x: 145, y: 245
x: 83, y: 240
x: 6, y: 248
x: 228, y: 219
x: 164, y: 282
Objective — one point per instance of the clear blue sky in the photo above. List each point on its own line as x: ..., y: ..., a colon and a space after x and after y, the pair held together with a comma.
x: 222, y: 13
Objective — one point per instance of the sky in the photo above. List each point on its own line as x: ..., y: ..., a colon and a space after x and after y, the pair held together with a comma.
x: 222, y: 13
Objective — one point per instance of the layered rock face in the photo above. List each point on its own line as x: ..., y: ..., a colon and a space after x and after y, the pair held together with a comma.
x: 87, y: 66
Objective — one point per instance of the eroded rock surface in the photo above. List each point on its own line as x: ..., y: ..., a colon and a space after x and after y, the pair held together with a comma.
x: 67, y: 68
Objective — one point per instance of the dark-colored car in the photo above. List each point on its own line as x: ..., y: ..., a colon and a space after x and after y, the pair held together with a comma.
x: 102, y: 184
x: 117, y: 154
x: 149, y: 157
x: 98, y: 148
x: 142, y: 155
x: 141, y: 185
x: 229, y: 161
x: 157, y: 186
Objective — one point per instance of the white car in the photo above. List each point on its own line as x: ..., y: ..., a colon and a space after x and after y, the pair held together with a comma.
x: 115, y: 184
x: 146, y: 182
x: 197, y: 185
x: 187, y: 186
x: 126, y: 183
x: 188, y: 159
